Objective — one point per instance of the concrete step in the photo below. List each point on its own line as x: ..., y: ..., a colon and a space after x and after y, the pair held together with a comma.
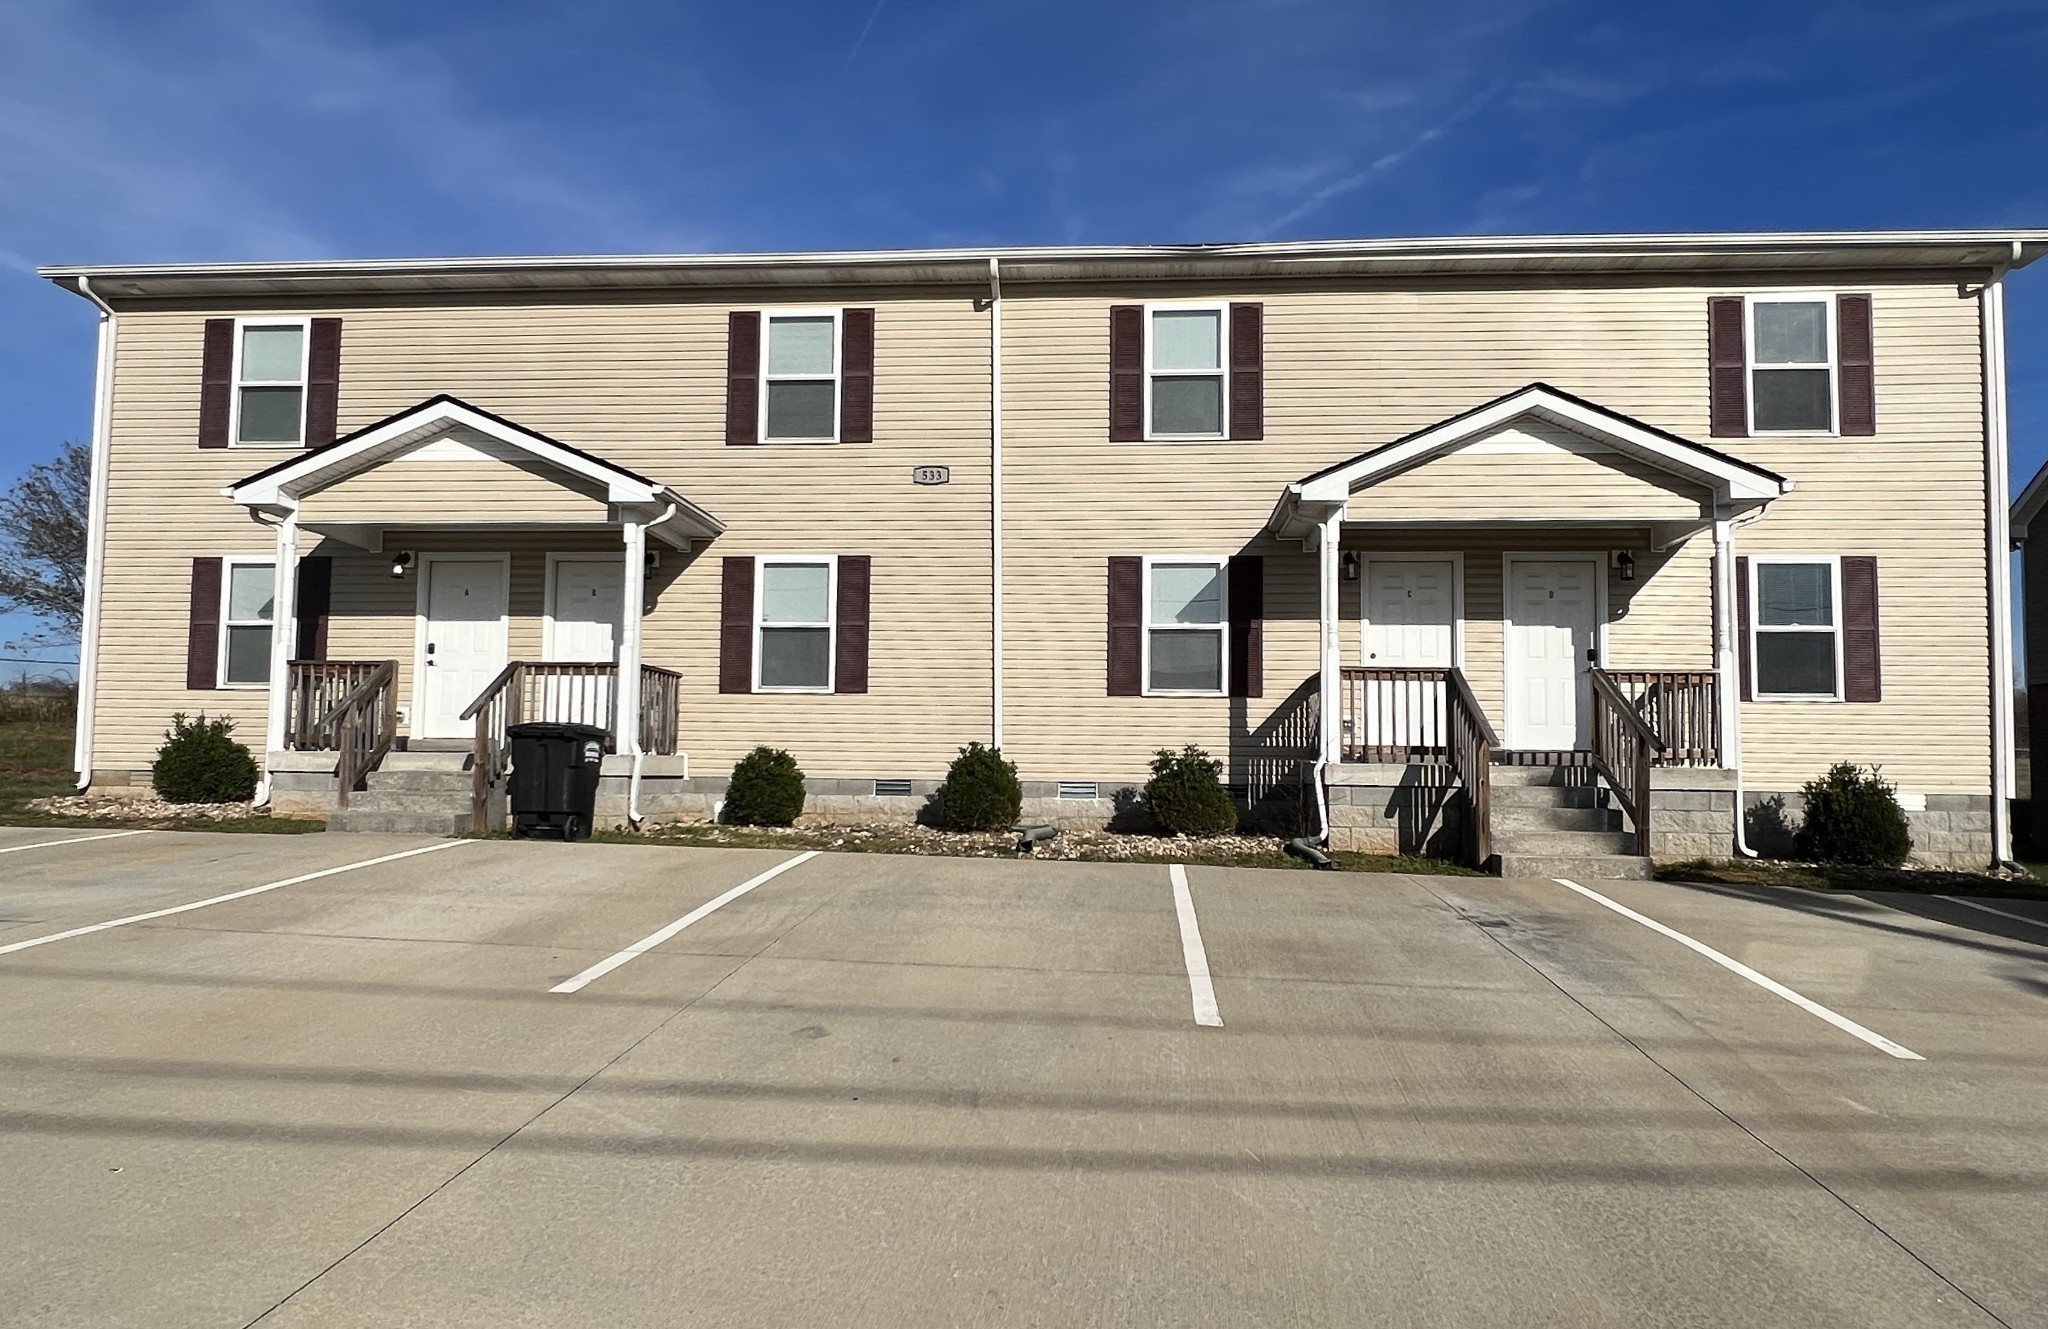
x: 408, y: 800
x: 1512, y: 817
x: 358, y: 818
x: 1541, y: 775
x: 1545, y: 844
x: 451, y: 783
x: 427, y: 761
x: 1577, y: 867
x: 1543, y: 796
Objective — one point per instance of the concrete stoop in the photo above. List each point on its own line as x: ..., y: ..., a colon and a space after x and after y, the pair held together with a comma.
x: 1550, y: 821
x: 412, y: 793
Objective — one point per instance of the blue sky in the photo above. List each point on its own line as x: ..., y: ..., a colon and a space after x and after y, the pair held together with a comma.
x: 212, y: 131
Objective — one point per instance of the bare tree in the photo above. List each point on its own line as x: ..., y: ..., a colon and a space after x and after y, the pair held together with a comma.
x: 42, y: 543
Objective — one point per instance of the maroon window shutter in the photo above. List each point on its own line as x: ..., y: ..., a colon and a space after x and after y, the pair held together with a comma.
x: 1862, y: 676
x: 202, y: 636
x: 850, y: 655
x: 1742, y: 627
x: 743, y: 381
x: 216, y: 383
x: 315, y: 594
x: 323, y: 381
x: 736, y: 626
x: 1126, y: 373
x: 1727, y: 369
x: 1856, y: 352
x: 1126, y: 641
x: 857, y: 377
x: 1248, y: 374
x: 1248, y: 626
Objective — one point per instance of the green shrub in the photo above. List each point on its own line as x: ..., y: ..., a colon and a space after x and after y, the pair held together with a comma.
x: 201, y: 763
x: 767, y: 789
x: 981, y: 792
x: 1186, y: 795
x: 1853, y: 816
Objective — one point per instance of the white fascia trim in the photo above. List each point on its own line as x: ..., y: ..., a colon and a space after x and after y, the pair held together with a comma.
x: 328, y: 465
x: 1733, y: 483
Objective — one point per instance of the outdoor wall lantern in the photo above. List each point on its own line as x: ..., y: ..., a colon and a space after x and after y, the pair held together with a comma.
x: 1627, y: 563
x: 1351, y: 565
x: 400, y: 561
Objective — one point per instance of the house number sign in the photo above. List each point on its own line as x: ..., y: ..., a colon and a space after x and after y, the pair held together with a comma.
x: 931, y: 475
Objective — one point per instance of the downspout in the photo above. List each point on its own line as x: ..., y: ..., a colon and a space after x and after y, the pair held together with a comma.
x: 633, y: 817
x: 96, y: 534
x: 1728, y: 663
x: 1998, y: 550
x: 995, y: 487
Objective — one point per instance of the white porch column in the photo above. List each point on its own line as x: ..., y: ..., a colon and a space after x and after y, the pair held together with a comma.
x: 626, y: 709
x: 1332, y: 643
x: 284, y: 635
x: 1727, y: 644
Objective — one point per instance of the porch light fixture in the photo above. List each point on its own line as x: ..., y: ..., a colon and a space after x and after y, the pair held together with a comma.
x: 1627, y: 563
x: 1351, y: 565
x: 400, y: 561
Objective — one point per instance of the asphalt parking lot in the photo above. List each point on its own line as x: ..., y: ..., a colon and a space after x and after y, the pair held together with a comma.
x: 364, y: 1081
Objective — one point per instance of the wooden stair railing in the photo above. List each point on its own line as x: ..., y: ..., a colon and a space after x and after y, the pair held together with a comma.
x: 312, y: 689
x: 1472, y: 742
x: 1624, y: 750
x: 1429, y: 715
x: 495, y: 710
x: 564, y: 692
x: 364, y: 724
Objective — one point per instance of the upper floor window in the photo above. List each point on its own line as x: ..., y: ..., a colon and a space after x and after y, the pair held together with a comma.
x: 1798, y: 642
x: 1792, y: 365
x: 246, y: 617
x: 1185, y: 388
x: 800, y: 377
x: 1185, y: 619
x: 270, y: 381
x: 794, y: 623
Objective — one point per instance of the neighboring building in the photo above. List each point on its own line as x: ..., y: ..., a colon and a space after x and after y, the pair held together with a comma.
x: 1496, y: 545
x: 2030, y: 536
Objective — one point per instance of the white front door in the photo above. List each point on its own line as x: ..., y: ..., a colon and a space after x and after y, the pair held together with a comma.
x: 1553, y: 613
x: 584, y: 618
x: 463, y: 644
x: 1410, y: 613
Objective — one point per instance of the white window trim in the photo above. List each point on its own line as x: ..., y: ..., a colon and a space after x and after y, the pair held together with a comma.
x: 1222, y: 627
x: 1757, y: 628
x: 837, y: 378
x: 830, y: 562
x: 304, y: 324
x: 1222, y: 311
x: 1750, y: 366
x: 228, y: 564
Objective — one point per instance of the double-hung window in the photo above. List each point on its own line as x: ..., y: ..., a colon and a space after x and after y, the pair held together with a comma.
x: 1797, y: 634
x: 800, y: 377
x: 1792, y: 365
x: 270, y: 382
x: 1185, y: 622
x: 793, y: 623
x: 246, y: 622
x: 1185, y: 377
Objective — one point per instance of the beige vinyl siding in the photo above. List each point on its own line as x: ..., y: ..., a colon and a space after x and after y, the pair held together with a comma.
x: 407, y: 490
x: 1352, y: 369
x: 1532, y: 485
x: 639, y: 382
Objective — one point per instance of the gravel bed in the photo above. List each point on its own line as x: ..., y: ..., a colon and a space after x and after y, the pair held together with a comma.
x: 140, y: 807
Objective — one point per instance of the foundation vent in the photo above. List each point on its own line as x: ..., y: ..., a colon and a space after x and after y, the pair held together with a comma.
x: 892, y: 789
x: 1077, y: 789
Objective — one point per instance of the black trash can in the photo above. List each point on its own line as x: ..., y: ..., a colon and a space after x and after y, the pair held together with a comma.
x: 553, y: 786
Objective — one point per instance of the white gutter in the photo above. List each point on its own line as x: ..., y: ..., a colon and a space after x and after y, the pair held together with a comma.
x: 633, y: 817
x: 1998, y: 551
x: 995, y: 458
x: 96, y: 534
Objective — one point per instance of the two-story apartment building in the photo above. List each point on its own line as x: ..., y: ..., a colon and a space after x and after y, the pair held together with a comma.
x: 1659, y: 526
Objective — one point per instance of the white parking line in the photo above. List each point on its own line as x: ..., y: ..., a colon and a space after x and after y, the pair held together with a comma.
x: 76, y: 839
x: 653, y: 939
x: 11, y: 947
x: 1199, y: 987
x: 1768, y: 984
x: 2002, y: 913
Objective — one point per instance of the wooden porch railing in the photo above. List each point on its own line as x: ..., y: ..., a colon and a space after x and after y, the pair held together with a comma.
x: 1624, y: 749
x: 364, y: 724
x: 526, y: 691
x: 313, y: 687
x: 1681, y: 706
x: 1426, y: 715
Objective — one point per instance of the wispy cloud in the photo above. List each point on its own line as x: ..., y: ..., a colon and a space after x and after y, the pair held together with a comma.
x: 865, y: 29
